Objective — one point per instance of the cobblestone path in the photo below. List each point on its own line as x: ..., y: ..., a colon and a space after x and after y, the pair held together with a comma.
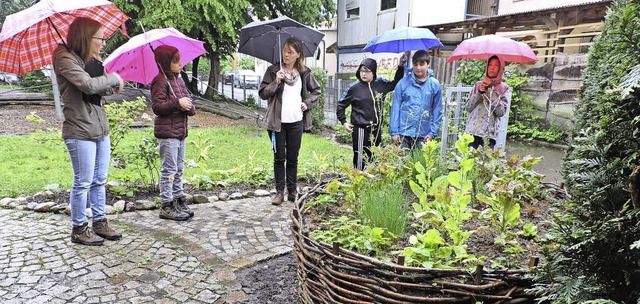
x: 156, y: 261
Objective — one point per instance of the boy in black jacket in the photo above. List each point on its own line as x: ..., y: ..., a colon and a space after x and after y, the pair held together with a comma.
x: 365, y: 98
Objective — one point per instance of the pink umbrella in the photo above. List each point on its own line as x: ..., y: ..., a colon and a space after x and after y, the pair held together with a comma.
x: 134, y: 60
x: 483, y: 47
x: 29, y: 37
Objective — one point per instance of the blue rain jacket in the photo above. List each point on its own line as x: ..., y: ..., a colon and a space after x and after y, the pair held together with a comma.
x: 417, y: 108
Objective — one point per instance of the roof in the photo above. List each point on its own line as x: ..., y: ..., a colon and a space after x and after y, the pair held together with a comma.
x: 543, y: 19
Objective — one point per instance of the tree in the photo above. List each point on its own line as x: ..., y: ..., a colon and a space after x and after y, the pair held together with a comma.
x: 8, y: 7
x: 600, y: 233
x: 218, y: 22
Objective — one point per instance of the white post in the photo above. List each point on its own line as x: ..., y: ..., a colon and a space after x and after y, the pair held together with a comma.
x: 56, y: 96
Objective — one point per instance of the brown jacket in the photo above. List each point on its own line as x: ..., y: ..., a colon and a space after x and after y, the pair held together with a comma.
x: 272, y: 92
x: 83, y: 120
x: 171, y: 121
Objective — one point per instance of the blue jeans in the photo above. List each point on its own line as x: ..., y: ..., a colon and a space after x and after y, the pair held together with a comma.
x: 90, y: 161
x: 172, y: 153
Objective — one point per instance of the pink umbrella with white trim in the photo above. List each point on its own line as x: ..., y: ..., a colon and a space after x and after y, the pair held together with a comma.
x: 134, y: 60
x: 483, y: 47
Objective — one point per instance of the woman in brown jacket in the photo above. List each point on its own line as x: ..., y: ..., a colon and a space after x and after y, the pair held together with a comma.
x: 85, y: 130
x: 171, y: 102
x: 291, y: 92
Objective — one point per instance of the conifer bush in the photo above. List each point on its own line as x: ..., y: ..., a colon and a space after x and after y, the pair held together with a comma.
x: 596, y: 251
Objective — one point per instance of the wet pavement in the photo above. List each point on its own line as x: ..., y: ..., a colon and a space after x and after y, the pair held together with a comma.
x: 551, y: 164
x: 156, y: 261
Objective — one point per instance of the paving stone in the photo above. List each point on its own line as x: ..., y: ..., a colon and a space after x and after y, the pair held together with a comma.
x: 156, y: 261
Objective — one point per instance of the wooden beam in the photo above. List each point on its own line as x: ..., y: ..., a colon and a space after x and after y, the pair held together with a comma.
x: 550, y: 23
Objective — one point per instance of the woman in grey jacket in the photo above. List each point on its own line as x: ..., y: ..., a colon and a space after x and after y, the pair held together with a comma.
x: 85, y: 131
x: 291, y: 92
x: 487, y: 102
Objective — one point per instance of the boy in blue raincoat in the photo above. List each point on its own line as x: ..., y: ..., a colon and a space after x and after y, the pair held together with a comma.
x: 416, y: 112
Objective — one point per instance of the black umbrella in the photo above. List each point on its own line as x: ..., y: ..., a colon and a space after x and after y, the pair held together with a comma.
x: 264, y: 39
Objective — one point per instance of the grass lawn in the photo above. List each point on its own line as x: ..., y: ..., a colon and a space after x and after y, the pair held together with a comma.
x: 31, y: 163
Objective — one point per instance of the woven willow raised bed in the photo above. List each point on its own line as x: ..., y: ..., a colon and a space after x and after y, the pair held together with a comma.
x: 330, y: 274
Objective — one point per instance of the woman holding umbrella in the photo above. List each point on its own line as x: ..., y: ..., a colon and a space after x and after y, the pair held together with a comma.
x: 487, y: 102
x: 291, y: 91
x: 86, y: 128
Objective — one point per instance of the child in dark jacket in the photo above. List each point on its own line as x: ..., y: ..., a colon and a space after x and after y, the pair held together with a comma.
x: 171, y: 103
x: 366, y: 99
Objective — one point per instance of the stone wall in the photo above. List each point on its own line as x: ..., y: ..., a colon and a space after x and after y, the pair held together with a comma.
x: 554, y: 87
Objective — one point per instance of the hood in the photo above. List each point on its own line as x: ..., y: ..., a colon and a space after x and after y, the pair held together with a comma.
x: 163, y: 55
x: 498, y: 79
x: 371, y: 65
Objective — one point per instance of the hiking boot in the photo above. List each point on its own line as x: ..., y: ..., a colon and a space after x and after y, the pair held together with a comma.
x: 292, y: 196
x: 278, y: 199
x: 169, y: 212
x: 181, y: 205
x: 85, y: 236
x: 102, y: 229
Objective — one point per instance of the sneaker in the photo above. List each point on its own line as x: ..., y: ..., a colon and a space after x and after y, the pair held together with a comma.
x: 292, y: 196
x: 181, y: 205
x: 169, y: 212
x: 102, y: 229
x: 85, y: 236
x: 278, y: 199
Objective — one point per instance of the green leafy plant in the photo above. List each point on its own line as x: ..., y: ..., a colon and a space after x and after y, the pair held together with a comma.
x: 351, y: 234
x: 252, y: 102
x: 428, y: 250
x: 121, y: 115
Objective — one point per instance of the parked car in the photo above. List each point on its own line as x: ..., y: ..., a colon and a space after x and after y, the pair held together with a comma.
x: 227, y: 77
x: 9, y: 77
x: 246, y: 79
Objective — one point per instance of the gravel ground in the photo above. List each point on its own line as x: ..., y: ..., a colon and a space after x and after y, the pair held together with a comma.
x: 14, y: 119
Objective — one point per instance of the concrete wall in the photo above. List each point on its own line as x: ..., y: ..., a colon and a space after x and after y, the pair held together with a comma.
x: 555, y: 87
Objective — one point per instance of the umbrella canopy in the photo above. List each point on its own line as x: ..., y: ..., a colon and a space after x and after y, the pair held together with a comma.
x: 134, y: 60
x: 483, y: 47
x: 29, y: 37
x: 264, y: 39
x: 403, y: 39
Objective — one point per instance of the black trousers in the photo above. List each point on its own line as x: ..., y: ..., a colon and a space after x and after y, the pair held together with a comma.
x: 363, y: 137
x: 285, y: 146
x: 479, y: 141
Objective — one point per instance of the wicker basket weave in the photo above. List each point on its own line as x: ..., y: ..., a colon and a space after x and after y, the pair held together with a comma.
x: 330, y: 274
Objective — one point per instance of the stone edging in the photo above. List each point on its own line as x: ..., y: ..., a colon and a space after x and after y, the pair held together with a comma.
x: 43, y: 202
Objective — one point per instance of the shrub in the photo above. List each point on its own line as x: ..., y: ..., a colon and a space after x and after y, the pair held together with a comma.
x: 317, y: 112
x: 36, y: 81
x: 597, y: 236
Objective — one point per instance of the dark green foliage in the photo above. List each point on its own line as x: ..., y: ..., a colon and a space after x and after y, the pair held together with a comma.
x: 36, y: 81
x: 317, y: 112
x: 596, y: 237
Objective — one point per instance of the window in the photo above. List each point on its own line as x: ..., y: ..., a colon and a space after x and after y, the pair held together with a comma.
x: 352, y: 13
x: 387, y: 4
x: 353, y: 8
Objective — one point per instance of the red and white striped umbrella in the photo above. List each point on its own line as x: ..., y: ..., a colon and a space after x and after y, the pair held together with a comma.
x: 30, y: 36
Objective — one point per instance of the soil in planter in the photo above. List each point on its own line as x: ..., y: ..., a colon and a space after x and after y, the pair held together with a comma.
x: 481, y: 243
x: 271, y: 282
